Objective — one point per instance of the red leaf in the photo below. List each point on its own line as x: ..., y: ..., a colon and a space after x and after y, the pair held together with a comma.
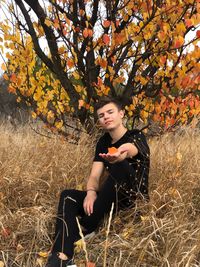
x: 90, y: 32
x: 198, y: 34
x: 188, y: 22
x: 90, y: 264
x: 5, y: 232
x: 13, y: 78
x: 106, y: 39
x: 106, y: 23
x: 179, y: 42
x: 85, y: 33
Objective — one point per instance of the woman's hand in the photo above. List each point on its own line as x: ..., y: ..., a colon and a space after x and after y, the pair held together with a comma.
x: 88, y: 202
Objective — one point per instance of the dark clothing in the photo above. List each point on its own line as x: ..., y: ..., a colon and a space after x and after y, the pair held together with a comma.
x: 139, y: 165
x: 126, y: 179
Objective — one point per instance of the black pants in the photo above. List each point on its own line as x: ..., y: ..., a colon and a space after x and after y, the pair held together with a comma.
x: 115, y: 189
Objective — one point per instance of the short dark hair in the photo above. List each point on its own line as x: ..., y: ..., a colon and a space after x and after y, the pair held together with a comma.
x: 104, y: 100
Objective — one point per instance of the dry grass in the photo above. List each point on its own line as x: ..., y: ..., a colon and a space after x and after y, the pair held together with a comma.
x: 165, y: 232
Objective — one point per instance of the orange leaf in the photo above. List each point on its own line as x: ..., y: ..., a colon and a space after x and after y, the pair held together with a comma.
x: 13, y: 78
x: 198, y: 34
x: 106, y: 23
x: 56, y: 23
x: 117, y: 22
x: 77, y: 29
x: 103, y: 63
x: 179, y: 42
x: 5, y: 76
x: 163, y: 59
x: 90, y: 264
x: 70, y: 63
x: 188, y: 22
x: 5, y: 232
x: 11, y: 89
x: 112, y: 150
x: 81, y: 103
x: 90, y: 32
x: 85, y: 33
x: 106, y: 39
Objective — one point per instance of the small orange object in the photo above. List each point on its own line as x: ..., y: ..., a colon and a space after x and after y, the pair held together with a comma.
x: 90, y: 264
x: 112, y: 150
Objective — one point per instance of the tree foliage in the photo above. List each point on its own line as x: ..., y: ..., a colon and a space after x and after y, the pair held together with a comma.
x: 63, y: 54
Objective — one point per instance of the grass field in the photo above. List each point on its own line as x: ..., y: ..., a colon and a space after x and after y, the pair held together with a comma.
x: 34, y: 169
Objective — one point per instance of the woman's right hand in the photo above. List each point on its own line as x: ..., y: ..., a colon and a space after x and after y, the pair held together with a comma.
x: 88, y: 203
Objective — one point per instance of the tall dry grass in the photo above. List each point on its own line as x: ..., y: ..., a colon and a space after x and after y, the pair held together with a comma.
x: 164, y: 232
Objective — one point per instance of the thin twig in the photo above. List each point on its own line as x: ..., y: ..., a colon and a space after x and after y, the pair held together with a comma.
x: 107, y: 233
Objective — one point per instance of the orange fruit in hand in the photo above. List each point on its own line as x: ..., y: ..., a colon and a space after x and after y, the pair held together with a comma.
x: 112, y: 150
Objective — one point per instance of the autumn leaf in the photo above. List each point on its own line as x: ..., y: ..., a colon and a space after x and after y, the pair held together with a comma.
x: 163, y: 60
x: 34, y: 115
x: 90, y: 264
x: 43, y: 254
x: 179, y: 41
x: 179, y: 156
x: 90, y: 32
x: 82, y: 65
x: 85, y: 33
x: 3, y: 67
x: 106, y: 39
x: 78, y: 246
x: 59, y: 124
x: 81, y: 103
x: 106, y: 23
x: 70, y: 63
x: 112, y: 150
x: 189, y: 22
x: 13, y: 77
x: 198, y: 34
x: 5, y: 232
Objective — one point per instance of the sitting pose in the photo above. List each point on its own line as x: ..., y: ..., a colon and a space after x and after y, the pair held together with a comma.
x: 128, y: 168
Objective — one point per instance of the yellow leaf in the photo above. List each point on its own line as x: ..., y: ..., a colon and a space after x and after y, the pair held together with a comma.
x: 43, y: 254
x: 59, y: 124
x: 6, y: 77
x: 173, y: 192
x: 79, y: 245
x: 50, y: 117
x: 34, y: 115
x: 80, y: 187
x: 76, y: 75
x: 179, y: 156
x: 3, y: 67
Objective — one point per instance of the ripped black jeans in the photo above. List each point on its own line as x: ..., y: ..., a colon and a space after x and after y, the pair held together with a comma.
x: 116, y: 189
